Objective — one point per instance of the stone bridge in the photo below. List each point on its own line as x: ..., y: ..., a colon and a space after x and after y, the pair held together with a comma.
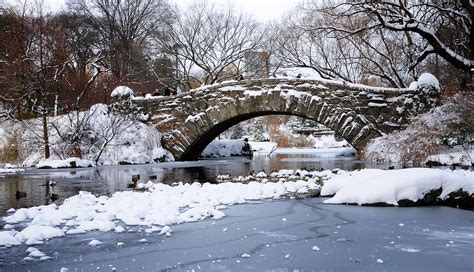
x: 358, y: 113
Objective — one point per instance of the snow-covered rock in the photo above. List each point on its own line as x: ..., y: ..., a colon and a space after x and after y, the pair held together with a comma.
x: 227, y: 148
x: 122, y: 91
x: 372, y: 186
x: 67, y: 163
x: 428, y: 80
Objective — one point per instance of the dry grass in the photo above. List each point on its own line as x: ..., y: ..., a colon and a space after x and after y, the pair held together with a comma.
x: 10, y: 153
x: 288, y: 140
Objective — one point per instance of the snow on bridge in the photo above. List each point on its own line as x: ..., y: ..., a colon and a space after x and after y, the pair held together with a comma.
x: 358, y: 113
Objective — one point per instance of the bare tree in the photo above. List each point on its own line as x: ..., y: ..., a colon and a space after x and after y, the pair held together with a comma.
x: 124, y: 28
x: 445, y: 27
x: 308, y: 39
x: 36, y: 58
x: 209, y: 39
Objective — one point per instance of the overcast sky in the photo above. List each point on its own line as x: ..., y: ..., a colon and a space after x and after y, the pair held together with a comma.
x: 264, y: 10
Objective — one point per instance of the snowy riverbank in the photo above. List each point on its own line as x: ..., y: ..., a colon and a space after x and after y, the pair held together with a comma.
x: 98, y: 135
x: 162, y: 206
x: 442, y: 136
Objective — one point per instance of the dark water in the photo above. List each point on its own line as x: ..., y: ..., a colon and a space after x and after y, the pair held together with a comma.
x: 109, y: 179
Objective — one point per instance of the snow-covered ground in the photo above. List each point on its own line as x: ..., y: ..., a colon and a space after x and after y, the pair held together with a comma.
x: 95, y: 133
x: 453, y: 156
x: 161, y: 206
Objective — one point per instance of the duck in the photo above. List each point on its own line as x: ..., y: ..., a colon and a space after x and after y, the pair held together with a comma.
x: 19, y: 194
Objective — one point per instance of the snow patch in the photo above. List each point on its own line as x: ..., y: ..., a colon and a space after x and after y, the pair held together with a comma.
x: 194, y: 118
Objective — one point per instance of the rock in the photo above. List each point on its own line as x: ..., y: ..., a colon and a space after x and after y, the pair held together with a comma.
x: 54, y: 197
x: 430, y: 198
x: 135, y: 178
x: 460, y: 199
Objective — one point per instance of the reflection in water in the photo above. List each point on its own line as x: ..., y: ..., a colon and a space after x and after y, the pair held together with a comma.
x: 106, y: 180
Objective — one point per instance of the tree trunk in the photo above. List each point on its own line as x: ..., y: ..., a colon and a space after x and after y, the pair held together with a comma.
x: 47, y: 153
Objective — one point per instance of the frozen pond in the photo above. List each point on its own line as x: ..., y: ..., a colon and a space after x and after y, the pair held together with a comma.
x: 279, y: 235
x: 106, y: 180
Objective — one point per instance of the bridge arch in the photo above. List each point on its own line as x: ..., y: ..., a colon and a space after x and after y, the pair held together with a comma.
x: 357, y: 113
x: 199, y: 144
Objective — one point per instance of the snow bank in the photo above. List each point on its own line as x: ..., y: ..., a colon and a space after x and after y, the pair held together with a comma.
x: 161, y: 206
x: 86, y: 133
x: 227, y: 148
x: 331, y: 152
x: 461, y: 157
x: 371, y: 186
x: 67, y: 163
x: 122, y: 91
x: 8, y: 170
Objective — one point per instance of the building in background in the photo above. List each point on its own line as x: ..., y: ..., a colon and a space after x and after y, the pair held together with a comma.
x: 256, y: 64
